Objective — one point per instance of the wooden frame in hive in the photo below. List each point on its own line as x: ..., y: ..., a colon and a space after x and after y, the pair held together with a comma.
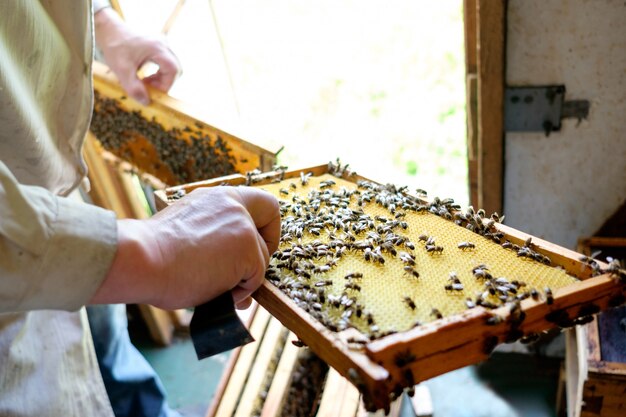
x: 382, y: 367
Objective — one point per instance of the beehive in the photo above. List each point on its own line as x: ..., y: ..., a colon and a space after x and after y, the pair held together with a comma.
x: 398, y: 354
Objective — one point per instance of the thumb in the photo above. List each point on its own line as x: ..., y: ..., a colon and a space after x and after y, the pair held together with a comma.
x: 135, y: 88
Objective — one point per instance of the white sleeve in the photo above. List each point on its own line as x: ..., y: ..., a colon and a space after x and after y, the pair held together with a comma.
x: 54, y: 252
x: 99, y: 5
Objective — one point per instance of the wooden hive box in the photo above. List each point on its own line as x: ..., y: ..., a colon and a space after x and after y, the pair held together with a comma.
x: 596, y: 353
x: 275, y: 377
x: 164, y: 139
x: 436, y: 329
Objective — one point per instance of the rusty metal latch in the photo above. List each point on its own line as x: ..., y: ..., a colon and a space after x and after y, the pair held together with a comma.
x: 540, y: 108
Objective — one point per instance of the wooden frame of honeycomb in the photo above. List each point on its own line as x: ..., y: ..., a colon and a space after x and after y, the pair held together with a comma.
x: 382, y: 364
x: 181, y: 148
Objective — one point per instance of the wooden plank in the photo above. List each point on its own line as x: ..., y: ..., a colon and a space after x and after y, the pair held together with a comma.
x: 471, y: 93
x: 394, y: 410
x: 225, y: 405
x: 351, y: 401
x: 604, y: 396
x: 115, y: 4
x: 269, y: 344
x: 490, y: 21
x: 158, y: 322
x: 130, y: 191
x: 576, y: 370
x: 280, y: 384
x: 329, y: 347
x: 335, y: 391
x: 470, y: 32
x: 230, y: 364
x: 173, y: 16
x: 422, y: 402
x: 103, y: 191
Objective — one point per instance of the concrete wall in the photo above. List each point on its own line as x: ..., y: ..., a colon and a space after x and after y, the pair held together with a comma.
x: 566, y: 185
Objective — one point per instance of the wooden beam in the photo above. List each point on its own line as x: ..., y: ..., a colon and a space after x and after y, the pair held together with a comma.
x: 490, y: 64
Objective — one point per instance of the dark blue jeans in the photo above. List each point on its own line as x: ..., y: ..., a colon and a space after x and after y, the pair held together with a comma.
x: 133, y: 386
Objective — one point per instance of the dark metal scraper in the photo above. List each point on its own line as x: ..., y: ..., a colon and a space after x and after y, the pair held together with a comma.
x: 215, y: 327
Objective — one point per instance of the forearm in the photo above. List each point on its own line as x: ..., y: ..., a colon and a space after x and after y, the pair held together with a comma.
x: 108, y: 26
x: 128, y: 279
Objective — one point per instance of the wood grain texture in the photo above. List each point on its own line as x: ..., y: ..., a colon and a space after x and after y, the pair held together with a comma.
x: 490, y: 21
x: 229, y: 400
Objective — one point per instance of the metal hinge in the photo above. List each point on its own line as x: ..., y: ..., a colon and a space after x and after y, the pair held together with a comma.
x: 540, y: 109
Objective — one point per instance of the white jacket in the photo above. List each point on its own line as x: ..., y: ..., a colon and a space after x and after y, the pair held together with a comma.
x: 54, y: 251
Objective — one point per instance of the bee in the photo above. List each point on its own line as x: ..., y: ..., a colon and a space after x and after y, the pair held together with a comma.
x: 454, y: 278
x: 321, y: 269
x: 470, y: 303
x: 298, y: 343
x: 454, y: 287
x: 409, y: 302
x: 388, y: 247
x: 549, y: 296
x: 494, y: 319
x: 501, y: 281
x: 327, y: 184
x: 423, y: 237
x: 352, y: 286
x: 293, y: 185
x: 407, y: 258
x: 284, y: 191
x: 304, y: 178
x: 411, y: 271
x: 466, y: 245
x: 335, y: 301
x: 324, y: 283
x: 409, y: 245
x: 353, y: 275
x: 517, y: 315
x: 434, y: 249
x: 497, y: 218
x: 436, y: 313
x: 370, y: 319
x: 615, y: 268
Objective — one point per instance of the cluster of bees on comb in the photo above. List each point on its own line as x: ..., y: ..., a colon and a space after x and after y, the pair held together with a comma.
x: 321, y: 228
x: 189, y: 153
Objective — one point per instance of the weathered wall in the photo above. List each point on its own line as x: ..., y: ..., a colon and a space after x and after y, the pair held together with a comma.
x: 566, y: 185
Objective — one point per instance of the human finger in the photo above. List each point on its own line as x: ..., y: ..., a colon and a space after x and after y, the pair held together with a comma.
x: 264, y: 210
x: 252, y: 282
x: 243, y: 304
x: 169, y: 70
x: 132, y: 85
